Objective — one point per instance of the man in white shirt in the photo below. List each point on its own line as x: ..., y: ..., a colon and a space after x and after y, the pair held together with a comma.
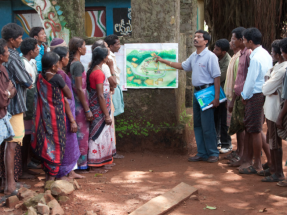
x: 272, y: 90
x: 253, y: 99
x: 118, y: 99
x: 30, y: 51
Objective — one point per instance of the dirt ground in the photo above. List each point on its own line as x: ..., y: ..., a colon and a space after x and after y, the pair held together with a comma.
x: 140, y: 177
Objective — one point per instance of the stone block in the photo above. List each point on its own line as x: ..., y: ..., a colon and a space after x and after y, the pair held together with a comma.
x: 12, y: 201
x: 19, y: 205
x: 31, y: 211
x: 159, y: 205
x: 56, y: 208
x: 25, y: 193
x: 34, y: 200
x: 48, y: 185
x: 40, y: 184
x: 63, y: 199
x: 43, y: 209
x: 48, y: 196
x: 76, y: 185
x: 62, y: 187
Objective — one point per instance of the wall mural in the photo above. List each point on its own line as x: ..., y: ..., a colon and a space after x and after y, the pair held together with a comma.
x: 28, y: 21
x: 51, y: 18
x: 95, y: 23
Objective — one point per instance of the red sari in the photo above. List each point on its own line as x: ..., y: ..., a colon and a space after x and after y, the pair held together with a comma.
x: 49, y: 129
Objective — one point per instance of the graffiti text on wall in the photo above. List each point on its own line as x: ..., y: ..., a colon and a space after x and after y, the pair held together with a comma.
x: 122, y: 21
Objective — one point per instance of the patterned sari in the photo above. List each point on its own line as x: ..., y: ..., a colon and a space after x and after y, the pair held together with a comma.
x: 49, y: 130
x: 101, y: 141
x: 72, y: 151
x: 83, y: 124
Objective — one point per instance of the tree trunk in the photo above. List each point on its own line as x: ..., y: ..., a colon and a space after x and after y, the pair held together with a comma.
x: 60, y: 19
x: 74, y: 13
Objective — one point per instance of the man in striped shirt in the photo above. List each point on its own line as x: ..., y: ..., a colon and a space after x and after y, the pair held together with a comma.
x: 13, y: 33
x: 236, y: 106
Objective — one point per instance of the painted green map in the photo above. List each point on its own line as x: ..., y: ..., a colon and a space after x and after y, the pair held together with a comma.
x: 143, y: 72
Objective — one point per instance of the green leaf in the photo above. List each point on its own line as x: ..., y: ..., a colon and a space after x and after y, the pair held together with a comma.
x: 98, y: 174
x: 61, y: 18
x: 63, y: 23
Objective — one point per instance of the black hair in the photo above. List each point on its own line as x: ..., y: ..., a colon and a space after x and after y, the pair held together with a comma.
x: 111, y: 39
x: 3, y: 43
x: 238, y: 32
x: 11, y: 30
x: 35, y: 31
x: 98, y: 43
x: 61, y: 51
x: 254, y: 35
x: 74, y: 45
x: 48, y: 60
x: 98, y: 55
x: 276, y: 47
x: 223, y: 44
x: 27, y: 45
x: 283, y: 45
x: 206, y: 35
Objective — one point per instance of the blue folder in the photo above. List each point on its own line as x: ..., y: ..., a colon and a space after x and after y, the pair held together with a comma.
x: 207, y: 95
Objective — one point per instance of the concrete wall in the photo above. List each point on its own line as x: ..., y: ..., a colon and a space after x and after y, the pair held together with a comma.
x: 188, y: 23
x: 155, y: 119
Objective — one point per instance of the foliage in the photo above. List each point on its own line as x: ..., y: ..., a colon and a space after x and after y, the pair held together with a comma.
x: 128, y: 127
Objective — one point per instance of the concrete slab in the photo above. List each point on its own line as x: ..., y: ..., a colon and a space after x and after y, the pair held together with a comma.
x: 168, y: 200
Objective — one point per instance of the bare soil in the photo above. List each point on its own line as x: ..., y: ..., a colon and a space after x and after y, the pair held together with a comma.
x: 140, y: 177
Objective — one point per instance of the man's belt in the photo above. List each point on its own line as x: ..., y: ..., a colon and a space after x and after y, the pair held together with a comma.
x: 203, y: 86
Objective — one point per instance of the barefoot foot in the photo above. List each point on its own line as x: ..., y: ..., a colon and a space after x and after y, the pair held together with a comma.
x: 74, y: 175
x: 65, y: 178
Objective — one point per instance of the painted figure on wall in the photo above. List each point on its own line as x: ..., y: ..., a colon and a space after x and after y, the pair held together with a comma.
x: 51, y: 17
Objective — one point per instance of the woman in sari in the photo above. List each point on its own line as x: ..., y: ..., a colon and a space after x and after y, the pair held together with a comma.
x: 72, y: 151
x: 101, y: 140
x: 49, y: 130
x: 77, y: 74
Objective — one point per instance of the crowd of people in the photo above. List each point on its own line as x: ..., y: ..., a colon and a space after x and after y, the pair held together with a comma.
x: 54, y: 115
x: 256, y: 92
x: 52, y: 107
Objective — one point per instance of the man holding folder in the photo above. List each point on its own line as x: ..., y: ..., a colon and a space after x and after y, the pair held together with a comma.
x: 205, y: 73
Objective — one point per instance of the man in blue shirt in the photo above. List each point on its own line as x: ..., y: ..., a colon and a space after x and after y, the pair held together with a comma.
x: 205, y: 72
x: 253, y: 99
x: 39, y: 34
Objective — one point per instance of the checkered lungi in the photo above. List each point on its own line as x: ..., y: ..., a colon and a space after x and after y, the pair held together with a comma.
x: 254, y: 113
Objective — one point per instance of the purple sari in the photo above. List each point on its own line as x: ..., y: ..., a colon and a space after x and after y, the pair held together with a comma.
x: 72, y: 151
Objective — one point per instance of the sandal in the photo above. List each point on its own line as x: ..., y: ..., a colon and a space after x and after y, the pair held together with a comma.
x: 265, y: 172
x: 265, y: 166
x: 231, y: 155
x: 248, y: 170
x: 233, y: 160
x: 14, y: 193
x: 272, y: 178
x: 282, y: 183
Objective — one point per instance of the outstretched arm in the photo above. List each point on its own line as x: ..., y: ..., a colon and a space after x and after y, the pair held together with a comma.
x: 169, y: 63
